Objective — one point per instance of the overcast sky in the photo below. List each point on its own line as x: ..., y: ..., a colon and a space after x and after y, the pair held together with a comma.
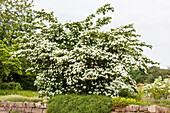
x: 151, y: 19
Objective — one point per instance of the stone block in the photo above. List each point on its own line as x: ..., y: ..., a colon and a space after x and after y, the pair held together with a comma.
x: 11, y: 104
x: 44, y: 106
x: 143, y: 108
x: 28, y: 110
x: 19, y: 104
x: 164, y: 110
x: 37, y: 105
x: 44, y: 111
x: 129, y: 112
x: 36, y: 110
x: 3, y: 112
x: 132, y: 108
x: 2, y: 104
x: 2, y: 109
x: 7, y: 109
x: 6, y: 104
x: 153, y: 109
x: 116, y: 112
x: 29, y: 104
x: 121, y: 108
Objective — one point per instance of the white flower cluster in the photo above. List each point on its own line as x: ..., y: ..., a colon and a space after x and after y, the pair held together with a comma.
x: 70, y: 60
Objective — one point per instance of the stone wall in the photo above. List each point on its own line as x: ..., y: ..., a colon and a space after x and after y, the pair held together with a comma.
x: 140, y: 109
x: 24, y: 107
x: 31, y: 107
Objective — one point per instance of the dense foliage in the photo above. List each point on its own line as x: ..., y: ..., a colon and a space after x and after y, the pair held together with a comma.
x: 159, y: 89
x: 8, y: 65
x: 15, y: 19
x: 10, y: 86
x: 78, y: 57
x: 149, y: 77
x: 79, y: 104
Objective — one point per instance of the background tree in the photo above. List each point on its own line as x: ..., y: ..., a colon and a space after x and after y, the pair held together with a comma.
x: 78, y: 57
x: 7, y: 64
x: 17, y: 18
x: 154, y: 72
x: 139, y: 76
x: 149, y: 77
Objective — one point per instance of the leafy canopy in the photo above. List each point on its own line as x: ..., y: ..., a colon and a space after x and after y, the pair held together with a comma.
x: 78, y: 57
x: 16, y: 18
x: 7, y: 64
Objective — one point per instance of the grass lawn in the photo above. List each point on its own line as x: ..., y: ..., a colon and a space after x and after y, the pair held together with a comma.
x: 27, y: 93
x: 19, y: 98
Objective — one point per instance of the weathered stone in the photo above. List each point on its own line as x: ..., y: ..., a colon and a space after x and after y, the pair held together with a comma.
x: 29, y: 104
x: 27, y: 110
x: 36, y: 110
x: 19, y: 104
x: 6, y: 104
x: 44, y: 106
x: 11, y: 104
x: 2, y: 109
x: 7, y: 109
x: 153, y: 109
x: 122, y: 108
x: 116, y: 112
x: 143, y: 108
x: 132, y: 108
x: 44, y: 111
x: 2, y: 104
x: 129, y: 112
x: 164, y: 110
x: 37, y: 105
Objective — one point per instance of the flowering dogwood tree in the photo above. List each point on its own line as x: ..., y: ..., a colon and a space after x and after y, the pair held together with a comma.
x: 78, y: 57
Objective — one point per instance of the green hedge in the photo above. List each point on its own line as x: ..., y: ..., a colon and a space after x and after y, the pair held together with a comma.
x: 10, y: 86
x: 79, y: 104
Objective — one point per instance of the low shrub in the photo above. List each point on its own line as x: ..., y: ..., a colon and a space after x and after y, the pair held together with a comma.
x: 139, y: 95
x: 163, y: 102
x: 126, y: 92
x: 10, y: 86
x: 79, y: 104
x: 18, y: 98
x: 121, y: 101
x: 7, y: 92
x: 159, y: 89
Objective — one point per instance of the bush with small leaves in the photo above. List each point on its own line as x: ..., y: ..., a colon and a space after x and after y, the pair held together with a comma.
x: 159, y: 89
x: 10, y: 86
x: 80, y: 104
